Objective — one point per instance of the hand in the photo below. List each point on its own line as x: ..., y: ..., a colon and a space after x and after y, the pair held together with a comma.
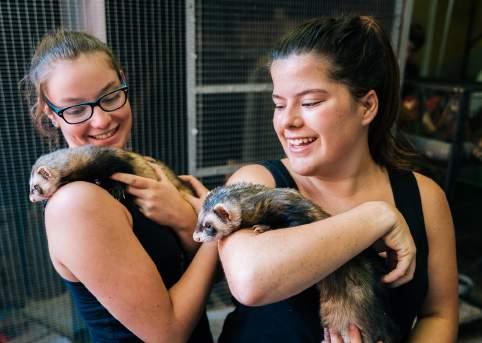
x: 354, y: 336
x: 400, y: 251
x: 201, y: 192
x: 159, y: 201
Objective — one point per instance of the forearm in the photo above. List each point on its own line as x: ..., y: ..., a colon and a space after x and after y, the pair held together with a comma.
x: 277, y: 264
x: 186, y: 223
x: 441, y: 329
x: 189, y: 294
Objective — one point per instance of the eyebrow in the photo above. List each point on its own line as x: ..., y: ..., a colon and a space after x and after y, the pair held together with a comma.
x: 102, y: 91
x: 305, y: 92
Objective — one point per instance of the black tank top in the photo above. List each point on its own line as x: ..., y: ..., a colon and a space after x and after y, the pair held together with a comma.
x: 164, y: 248
x: 296, y: 319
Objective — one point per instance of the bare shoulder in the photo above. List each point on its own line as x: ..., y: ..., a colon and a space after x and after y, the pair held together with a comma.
x: 429, y: 186
x: 79, y: 200
x: 253, y: 173
x: 80, y: 218
x: 430, y: 192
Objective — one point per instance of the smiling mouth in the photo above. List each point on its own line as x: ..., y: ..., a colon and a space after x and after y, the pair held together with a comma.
x: 105, y: 135
x: 299, y: 142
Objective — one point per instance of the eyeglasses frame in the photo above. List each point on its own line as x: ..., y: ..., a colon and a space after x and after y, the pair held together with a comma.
x: 59, y: 111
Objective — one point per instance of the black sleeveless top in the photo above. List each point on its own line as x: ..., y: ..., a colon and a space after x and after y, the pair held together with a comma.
x: 164, y: 248
x: 296, y: 319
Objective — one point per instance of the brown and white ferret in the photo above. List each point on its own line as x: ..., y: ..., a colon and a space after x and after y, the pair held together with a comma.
x: 352, y: 294
x: 95, y: 164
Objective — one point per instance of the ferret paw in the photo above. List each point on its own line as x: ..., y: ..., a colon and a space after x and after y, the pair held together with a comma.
x: 258, y: 228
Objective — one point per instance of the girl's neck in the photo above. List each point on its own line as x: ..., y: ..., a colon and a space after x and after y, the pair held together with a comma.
x: 340, y: 192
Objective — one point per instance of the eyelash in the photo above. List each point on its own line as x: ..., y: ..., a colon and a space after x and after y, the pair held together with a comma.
x: 306, y: 104
x: 311, y: 104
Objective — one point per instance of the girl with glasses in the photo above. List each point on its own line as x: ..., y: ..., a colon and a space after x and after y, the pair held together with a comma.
x: 124, y: 263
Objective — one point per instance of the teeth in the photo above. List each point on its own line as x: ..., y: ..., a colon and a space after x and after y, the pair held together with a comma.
x: 300, y: 141
x: 106, y: 135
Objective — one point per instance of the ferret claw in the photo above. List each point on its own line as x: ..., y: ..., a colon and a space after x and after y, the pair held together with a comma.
x: 258, y: 228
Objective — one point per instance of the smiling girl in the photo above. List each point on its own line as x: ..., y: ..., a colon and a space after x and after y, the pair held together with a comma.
x: 336, y: 98
x: 123, y: 262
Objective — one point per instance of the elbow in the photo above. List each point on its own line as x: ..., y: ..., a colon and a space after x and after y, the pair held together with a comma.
x: 247, y: 288
x: 246, y: 296
x: 246, y: 274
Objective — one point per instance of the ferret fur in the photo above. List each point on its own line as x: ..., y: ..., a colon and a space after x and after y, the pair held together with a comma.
x: 94, y: 164
x: 352, y: 294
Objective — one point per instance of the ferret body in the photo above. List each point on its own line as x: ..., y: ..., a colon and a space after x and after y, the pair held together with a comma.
x: 94, y: 164
x: 352, y: 294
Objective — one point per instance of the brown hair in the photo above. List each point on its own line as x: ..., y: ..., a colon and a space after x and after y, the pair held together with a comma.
x: 361, y: 57
x: 54, y: 46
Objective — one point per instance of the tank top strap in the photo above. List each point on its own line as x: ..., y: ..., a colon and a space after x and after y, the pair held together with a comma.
x: 281, y: 175
x: 406, y: 300
x: 407, y: 199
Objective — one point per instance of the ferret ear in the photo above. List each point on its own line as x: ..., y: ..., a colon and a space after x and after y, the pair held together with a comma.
x: 44, y: 172
x: 222, y: 212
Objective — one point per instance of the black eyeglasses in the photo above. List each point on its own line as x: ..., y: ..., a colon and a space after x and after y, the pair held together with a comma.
x: 82, y: 112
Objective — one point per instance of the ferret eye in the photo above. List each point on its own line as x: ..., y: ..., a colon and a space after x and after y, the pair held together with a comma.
x: 210, y: 230
x: 38, y: 189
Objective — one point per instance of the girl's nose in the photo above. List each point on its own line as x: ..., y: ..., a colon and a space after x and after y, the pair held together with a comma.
x: 292, y: 117
x: 100, y: 118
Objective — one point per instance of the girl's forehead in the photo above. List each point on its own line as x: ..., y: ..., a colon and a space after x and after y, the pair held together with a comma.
x: 82, y: 76
x: 304, y: 70
x: 85, y: 61
x: 309, y: 63
x: 56, y: 68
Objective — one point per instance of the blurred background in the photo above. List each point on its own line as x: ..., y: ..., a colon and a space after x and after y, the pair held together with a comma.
x: 201, y: 99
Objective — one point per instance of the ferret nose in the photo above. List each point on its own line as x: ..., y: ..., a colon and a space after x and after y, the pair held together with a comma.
x: 196, y: 236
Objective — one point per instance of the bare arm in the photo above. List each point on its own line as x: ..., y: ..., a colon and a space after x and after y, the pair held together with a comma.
x: 277, y: 264
x: 439, y: 316
x: 92, y: 241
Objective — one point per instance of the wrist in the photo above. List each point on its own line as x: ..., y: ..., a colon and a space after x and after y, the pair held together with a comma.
x: 183, y: 219
x: 382, y: 216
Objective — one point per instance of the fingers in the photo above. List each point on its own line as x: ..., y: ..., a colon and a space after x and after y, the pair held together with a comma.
x: 159, y: 172
x: 335, y: 337
x: 196, y: 185
x: 402, y: 273
x: 132, y: 180
x: 326, y: 336
x: 401, y: 253
x: 195, y: 203
x: 355, y: 334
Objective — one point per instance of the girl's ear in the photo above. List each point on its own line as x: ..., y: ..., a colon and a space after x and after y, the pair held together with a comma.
x: 369, y: 104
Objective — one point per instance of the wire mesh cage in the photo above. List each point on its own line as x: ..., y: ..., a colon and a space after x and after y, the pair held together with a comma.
x: 200, y: 93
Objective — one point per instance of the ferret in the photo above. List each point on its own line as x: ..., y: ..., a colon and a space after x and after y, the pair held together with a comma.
x: 94, y: 164
x: 352, y: 294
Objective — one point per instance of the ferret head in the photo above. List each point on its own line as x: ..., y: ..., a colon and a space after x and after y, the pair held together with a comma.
x: 217, y: 221
x: 43, y: 183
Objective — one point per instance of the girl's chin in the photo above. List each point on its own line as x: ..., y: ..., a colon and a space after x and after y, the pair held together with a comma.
x: 301, y: 166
